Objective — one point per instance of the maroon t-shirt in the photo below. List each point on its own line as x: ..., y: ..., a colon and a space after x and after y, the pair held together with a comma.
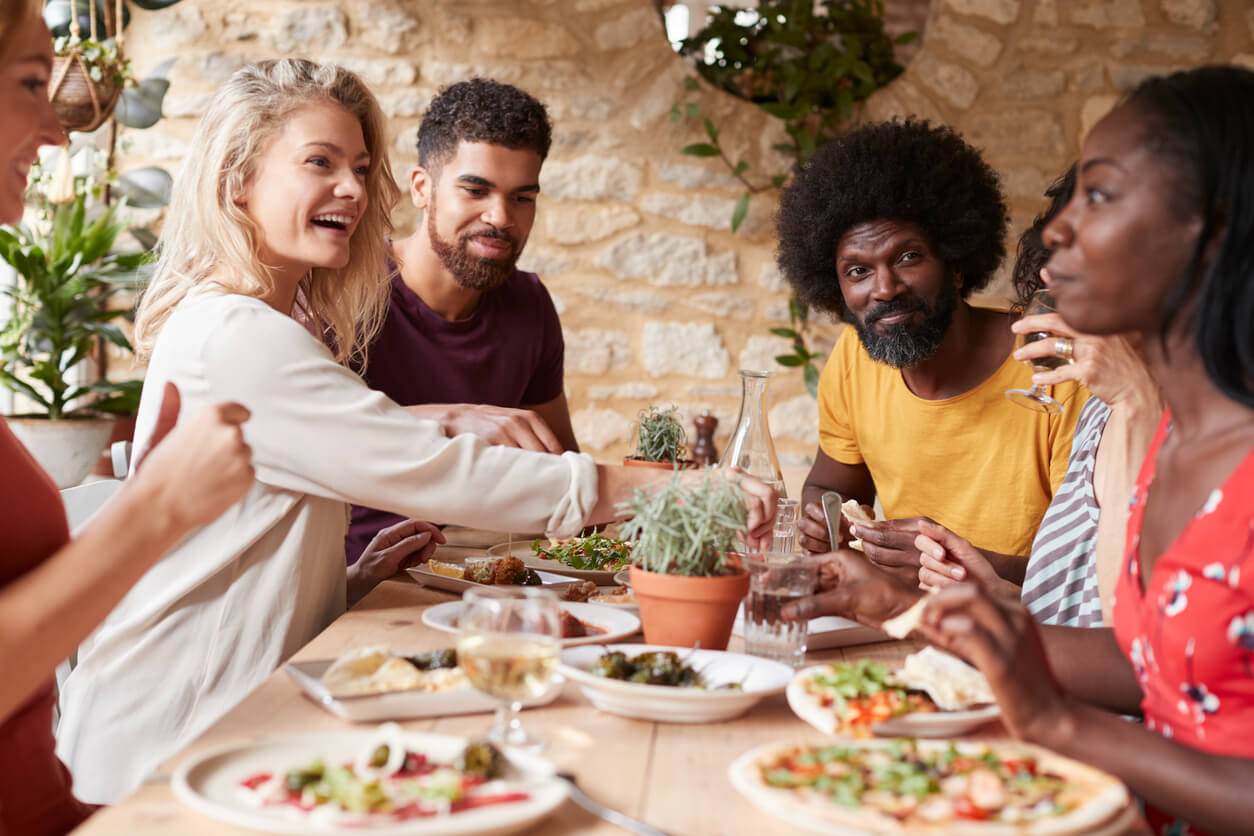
x: 509, y: 352
x: 35, y: 797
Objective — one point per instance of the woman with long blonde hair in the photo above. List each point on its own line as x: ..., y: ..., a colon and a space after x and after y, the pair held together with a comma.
x: 54, y: 590
x: 287, y: 169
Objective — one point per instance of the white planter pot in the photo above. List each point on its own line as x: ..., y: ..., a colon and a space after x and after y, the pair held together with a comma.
x: 68, y: 449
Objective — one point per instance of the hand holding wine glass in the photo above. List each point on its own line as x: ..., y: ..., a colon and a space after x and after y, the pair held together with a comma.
x: 1037, y: 398
x: 508, y: 646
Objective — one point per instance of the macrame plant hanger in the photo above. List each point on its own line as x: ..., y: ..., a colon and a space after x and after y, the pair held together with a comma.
x: 81, y: 103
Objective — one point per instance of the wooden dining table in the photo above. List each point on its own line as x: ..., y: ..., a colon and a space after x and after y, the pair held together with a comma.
x: 673, y: 776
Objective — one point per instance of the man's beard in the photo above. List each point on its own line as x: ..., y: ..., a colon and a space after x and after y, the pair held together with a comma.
x: 906, y: 344
x: 471, y: 271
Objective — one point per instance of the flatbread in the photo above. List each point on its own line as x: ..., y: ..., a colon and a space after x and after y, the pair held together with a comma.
x: 378, y: 670
x: 843, y: 713
x: 1090, y: 798
x: 903, y: 624
x: 855, y: 513
x: 950, y: 682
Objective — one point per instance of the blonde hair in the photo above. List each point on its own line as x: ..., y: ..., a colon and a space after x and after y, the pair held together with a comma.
x: 14, y: 15
x: 207, y: 233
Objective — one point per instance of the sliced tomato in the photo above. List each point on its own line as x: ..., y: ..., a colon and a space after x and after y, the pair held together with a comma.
x: 256, y: 780
x: 470, y: 802
x: 965, y: 808
x: 1014, y: 767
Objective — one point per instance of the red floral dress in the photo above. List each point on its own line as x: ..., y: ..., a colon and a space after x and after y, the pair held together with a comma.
x: 1190, y: 633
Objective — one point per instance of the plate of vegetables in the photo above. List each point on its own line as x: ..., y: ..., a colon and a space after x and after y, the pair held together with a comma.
x: 672, y: 684
x: 595, y: 557
x: 383, y: 781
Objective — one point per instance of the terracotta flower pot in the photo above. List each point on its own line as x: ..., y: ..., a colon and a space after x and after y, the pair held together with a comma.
x: 684, y: 464
x: 687, y: 611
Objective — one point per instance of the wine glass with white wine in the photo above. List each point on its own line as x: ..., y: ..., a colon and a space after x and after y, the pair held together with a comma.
x: 509, y: 642
x: 1037, y: 398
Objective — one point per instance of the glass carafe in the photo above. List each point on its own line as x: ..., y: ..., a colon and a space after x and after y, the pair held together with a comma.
x: 750, y: 447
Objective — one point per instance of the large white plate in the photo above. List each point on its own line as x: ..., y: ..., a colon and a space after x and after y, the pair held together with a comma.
x: 784, y: 806
x: 395, y: 705
x: 428, y: 578
x: 923, y: 724
x: 522, y: 551
x: 760, y: 678
x: 826, y: 632
x: 209, y: 784
x: 617, y: 623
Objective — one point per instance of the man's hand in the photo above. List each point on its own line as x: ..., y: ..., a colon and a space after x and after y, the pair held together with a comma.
x: 397, y: 547
x: 850, y: 586
x: 520, y: 428
x: 889, y: 544
x: 197, y: 469
x: 812, y: 530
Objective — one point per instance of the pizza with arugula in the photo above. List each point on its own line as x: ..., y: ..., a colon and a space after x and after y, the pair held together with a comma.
x: 933, y: 787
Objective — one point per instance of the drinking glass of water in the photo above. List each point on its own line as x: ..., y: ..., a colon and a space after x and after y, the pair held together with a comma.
x: 775, y: 579
x: 509, y: 643
x: 785, y: 539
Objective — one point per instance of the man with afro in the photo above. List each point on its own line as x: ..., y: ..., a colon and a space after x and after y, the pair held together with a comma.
x: 892, y: 227
x: 469, y: 340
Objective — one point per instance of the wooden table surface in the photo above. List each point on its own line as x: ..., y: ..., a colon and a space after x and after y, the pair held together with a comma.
x: 673, y: 776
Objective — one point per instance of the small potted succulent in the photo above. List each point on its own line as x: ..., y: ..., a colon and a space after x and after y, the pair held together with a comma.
x: 685, y: 574
x: 659, y: 440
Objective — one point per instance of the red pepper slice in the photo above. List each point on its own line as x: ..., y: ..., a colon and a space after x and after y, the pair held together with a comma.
x: 965, y: 808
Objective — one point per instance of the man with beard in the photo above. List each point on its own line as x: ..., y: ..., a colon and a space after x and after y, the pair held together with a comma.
x: 468, y: 339
x: 892, y: 227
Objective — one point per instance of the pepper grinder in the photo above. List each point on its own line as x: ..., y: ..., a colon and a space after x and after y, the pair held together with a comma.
x: 704, y: 452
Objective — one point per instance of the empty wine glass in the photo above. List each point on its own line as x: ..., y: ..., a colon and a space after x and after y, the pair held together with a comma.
x: 508, y: 646
x: 1037, y: 398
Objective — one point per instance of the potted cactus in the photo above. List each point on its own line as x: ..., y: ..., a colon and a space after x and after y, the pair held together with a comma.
x: 659, y: 440
x: 686, y: 575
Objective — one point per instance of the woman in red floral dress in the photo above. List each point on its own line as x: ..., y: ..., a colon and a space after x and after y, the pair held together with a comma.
x: 1158, y: 239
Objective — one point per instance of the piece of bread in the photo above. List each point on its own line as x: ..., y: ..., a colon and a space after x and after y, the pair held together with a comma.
x: 903, y: 624
x: 856, y: 513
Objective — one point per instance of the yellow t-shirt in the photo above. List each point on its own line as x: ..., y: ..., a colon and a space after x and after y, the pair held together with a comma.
x: 977, y: 464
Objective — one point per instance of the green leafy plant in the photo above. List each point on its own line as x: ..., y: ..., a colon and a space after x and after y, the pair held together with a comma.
x: 686, y: 527
x: 804, y: 65
x: 659, y: 436
x: 59, y: 308
x: 101, y: 59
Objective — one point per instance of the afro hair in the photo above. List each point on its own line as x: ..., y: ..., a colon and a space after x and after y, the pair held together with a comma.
x: 911, y: 172
x: 480, y: 110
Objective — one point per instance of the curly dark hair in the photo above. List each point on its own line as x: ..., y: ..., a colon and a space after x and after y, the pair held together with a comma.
x: 1032, y: 255
x: 481, y: 110
x: 911, y: 172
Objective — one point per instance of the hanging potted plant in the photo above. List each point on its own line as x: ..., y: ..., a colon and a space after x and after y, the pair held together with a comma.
x: 88, y: 75
x: 685, y: 573
x: 659, y: 440
x: 58, y: 309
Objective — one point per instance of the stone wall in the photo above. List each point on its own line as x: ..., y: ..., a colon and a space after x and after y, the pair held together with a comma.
x: 660, y: 302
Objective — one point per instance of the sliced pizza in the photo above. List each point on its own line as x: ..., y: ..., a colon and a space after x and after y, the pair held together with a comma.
x: 932, y: 787
x: 847, y: 698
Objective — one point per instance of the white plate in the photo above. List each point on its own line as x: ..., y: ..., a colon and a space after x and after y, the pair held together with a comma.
x: 921, y: 724
x: 781, y: 805
x: 826, y: 632
x: 395, y: 705
x: 428, y: 578
x: 760, y: 677
x: 209, y: 785
x: 616, y: 623
x: 522, y: 551
x: 623, y: 577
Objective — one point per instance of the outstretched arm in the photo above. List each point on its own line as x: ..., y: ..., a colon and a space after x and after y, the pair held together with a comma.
x: 1020, y: 661
x: 196, y: 473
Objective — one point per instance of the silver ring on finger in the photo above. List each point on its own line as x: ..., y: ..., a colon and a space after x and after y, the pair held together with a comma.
x: 1064, y: 347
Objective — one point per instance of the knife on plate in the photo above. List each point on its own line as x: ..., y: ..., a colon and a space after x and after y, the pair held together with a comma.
x: 831, y: 515
x: 623, y: 820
